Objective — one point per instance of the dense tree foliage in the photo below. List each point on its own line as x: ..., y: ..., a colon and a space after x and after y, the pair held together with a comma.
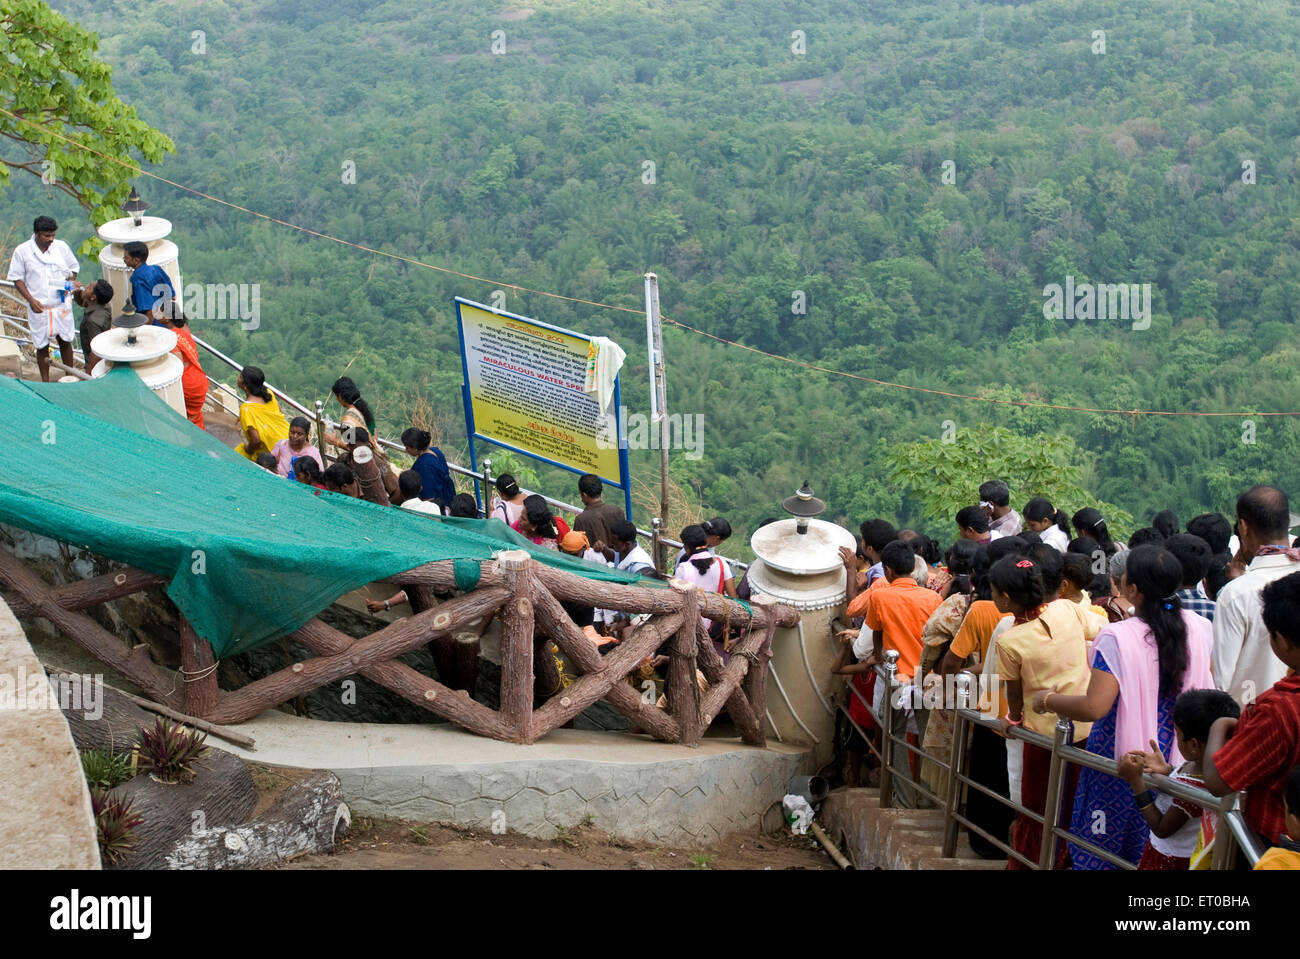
x: 54, y: 89
x: 914, y: 179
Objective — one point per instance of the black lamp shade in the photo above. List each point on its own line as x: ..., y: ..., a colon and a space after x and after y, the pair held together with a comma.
x: 134, y: 205
x: 803, y: 503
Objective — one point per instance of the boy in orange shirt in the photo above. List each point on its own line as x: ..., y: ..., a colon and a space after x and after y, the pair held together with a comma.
x: 896, y: 615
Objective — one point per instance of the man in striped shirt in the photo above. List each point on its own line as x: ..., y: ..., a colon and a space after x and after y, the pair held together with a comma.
x: 1256, y: 752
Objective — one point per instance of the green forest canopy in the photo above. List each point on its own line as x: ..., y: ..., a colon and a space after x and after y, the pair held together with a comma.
x: 775, y: 173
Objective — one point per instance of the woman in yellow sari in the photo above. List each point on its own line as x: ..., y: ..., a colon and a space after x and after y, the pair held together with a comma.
x: 260, y: 419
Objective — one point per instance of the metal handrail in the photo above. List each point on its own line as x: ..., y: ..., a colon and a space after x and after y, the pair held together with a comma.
x: 1233, y: 835
x: 483, y: 476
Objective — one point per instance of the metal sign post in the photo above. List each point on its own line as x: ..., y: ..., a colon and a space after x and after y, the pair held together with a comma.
x: 658, y: 395
x: 523, y: 391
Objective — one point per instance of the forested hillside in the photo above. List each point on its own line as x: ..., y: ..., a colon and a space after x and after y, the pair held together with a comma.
x: 781, y: 179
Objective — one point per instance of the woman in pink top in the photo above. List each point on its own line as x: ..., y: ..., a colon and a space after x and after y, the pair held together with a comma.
x: 509, y: 505
x: 288, y: 450
x: 1139, y: 667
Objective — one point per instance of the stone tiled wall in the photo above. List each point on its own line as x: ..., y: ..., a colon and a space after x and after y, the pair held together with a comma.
x: 675, y: 801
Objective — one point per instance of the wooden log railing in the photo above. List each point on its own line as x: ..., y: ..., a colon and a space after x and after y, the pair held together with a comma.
x: 525, y: 594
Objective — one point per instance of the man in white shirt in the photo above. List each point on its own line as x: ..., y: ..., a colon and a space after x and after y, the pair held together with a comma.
x: 628, y: 554
x: 38, y: 269
x: 1244, y: 665
x: 995, y: 500
x: 410, y: 483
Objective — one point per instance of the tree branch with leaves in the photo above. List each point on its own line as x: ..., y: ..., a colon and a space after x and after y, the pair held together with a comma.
x: 60, y: 116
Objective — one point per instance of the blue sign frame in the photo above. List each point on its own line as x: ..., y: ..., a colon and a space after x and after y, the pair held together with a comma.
x: 623, y: 481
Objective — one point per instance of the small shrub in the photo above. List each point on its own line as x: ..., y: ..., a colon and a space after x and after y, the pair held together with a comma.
x: 563, y: 835
x: 115, y: 822
x: 169, y: 751
x: 703, y: 860
x: 420, y: 835
x: 104, y: 769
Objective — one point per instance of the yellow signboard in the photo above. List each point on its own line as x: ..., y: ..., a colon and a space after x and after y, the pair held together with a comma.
x: 524, y: 390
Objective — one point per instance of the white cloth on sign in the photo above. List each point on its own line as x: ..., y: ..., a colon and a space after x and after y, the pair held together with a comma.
x: 604, y: 360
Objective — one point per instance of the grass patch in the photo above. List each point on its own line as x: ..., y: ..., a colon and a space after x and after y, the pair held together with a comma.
x: 104, y: 769
x: 703, y: 860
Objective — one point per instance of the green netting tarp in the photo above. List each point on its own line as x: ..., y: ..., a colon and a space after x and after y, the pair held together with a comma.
x: 107, y: 465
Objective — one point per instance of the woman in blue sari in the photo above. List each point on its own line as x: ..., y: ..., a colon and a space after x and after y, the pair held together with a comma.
x: 1139, y: 668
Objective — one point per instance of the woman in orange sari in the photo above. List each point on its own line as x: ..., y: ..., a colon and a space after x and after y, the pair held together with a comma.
x: 194, y: 382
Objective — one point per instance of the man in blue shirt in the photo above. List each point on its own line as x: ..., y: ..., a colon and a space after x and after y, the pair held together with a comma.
x: 151, y: 288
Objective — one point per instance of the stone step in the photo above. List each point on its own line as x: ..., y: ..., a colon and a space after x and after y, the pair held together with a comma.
x: 931, y: 857
x: 888, y: 838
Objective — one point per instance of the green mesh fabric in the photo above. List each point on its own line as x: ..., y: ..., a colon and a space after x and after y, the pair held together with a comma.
x: 467, y: 573
x: 117, y: 399
x: 107, y: 465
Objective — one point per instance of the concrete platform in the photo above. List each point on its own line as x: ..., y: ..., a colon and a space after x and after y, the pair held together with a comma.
x: 45, y: 817
x: 631, y: 786
x: 876, y: 838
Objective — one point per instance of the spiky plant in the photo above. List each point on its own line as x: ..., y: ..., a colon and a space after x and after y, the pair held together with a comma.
x: 105, y: 769
x: 169, y: 750
x: 115, y: 822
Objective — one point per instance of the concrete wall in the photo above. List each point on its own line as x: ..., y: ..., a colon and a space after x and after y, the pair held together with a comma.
x: 679, y: 801
x: 45, y: 817
x: 630, y: 785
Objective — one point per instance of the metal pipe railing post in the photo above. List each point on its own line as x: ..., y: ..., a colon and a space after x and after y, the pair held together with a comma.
x: 956, y: 762
x: 1225, y: 845
x: 887, y: 730
x: 485, y: 499
x: 320, y: 433
x: 1055, y: 790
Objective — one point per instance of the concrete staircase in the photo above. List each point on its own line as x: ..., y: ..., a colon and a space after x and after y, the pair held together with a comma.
x: 876, y: 838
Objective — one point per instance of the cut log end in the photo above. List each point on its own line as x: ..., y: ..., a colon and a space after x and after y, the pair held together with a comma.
x: 513, y: 559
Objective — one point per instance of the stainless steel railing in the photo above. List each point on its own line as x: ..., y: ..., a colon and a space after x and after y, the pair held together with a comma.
x: 1233, y: 836
x: 654, y: 535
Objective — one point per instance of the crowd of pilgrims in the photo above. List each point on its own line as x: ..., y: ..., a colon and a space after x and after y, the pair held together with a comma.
x: 601, y: 532
x: 1173, y: 654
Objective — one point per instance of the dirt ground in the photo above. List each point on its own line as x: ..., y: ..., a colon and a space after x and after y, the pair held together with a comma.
x: 396, y: 844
